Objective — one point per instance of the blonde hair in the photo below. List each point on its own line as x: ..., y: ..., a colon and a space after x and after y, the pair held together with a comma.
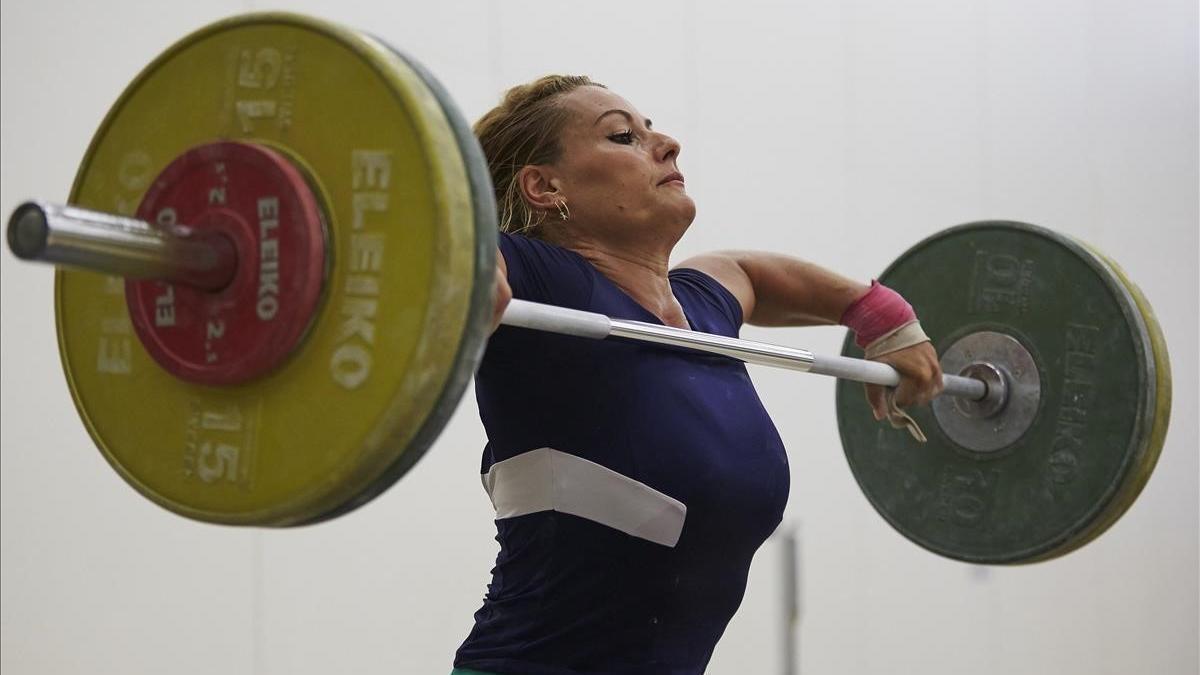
x: 524, y: 129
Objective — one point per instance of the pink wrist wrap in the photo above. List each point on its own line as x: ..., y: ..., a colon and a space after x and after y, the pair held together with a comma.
x: 875, y: 314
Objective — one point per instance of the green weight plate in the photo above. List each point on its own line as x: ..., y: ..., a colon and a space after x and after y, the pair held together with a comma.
x: 359, y: 400
x: 1150, y: 451
x: 1041, y: 494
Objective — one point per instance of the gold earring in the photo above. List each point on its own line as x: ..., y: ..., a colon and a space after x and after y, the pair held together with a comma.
x: 563, y: 211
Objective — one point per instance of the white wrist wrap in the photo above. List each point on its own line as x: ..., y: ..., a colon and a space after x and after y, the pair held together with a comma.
x: 903, y: 337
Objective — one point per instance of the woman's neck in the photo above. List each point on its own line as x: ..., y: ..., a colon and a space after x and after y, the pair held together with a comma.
x: 642, y: 276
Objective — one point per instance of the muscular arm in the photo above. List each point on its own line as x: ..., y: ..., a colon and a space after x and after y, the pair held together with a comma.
x: 779, y: 290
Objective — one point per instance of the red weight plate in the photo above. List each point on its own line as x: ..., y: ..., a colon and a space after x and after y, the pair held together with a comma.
x: 260, y: 202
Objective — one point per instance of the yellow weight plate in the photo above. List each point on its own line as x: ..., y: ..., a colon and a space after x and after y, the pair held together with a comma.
x: 316, y: 433
x: 1152, y: 447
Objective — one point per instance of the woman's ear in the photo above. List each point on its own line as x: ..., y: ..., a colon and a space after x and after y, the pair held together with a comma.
x: 539, y: 187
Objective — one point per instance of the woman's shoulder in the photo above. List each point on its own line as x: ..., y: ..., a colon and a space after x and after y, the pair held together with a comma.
x: 709, y: 304
x: 544, y: 272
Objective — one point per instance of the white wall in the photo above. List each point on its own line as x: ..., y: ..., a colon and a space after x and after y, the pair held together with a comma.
x: 842, y: 131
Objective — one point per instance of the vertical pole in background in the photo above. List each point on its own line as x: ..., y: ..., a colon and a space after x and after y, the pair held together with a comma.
x: 790, y: 619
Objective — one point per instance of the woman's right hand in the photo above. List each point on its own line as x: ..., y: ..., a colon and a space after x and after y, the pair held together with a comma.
x: 503, y: 293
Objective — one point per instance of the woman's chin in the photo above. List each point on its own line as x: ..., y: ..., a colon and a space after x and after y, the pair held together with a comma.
x: 685, y: 214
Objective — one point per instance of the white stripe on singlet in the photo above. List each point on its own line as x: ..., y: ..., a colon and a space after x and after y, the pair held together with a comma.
x: 549, y: 480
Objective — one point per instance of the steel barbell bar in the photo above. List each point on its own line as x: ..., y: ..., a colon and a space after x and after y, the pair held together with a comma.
x: 110, y: 244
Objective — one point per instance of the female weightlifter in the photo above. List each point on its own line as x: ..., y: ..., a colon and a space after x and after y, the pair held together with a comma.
x: 633, y: 483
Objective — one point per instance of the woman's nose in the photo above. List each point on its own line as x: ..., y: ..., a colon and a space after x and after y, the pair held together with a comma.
x: 668, y: 148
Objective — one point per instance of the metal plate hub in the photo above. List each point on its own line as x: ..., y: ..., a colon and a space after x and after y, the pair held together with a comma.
x: 1000, y: 419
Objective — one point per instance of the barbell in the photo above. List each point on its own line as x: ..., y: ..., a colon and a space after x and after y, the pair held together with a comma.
x: 278, y: 259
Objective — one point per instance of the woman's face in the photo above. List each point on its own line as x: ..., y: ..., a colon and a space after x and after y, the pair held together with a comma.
x: 617, y: 175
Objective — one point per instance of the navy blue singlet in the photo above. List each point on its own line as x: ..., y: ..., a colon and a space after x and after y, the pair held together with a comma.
x: 633, y: 483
